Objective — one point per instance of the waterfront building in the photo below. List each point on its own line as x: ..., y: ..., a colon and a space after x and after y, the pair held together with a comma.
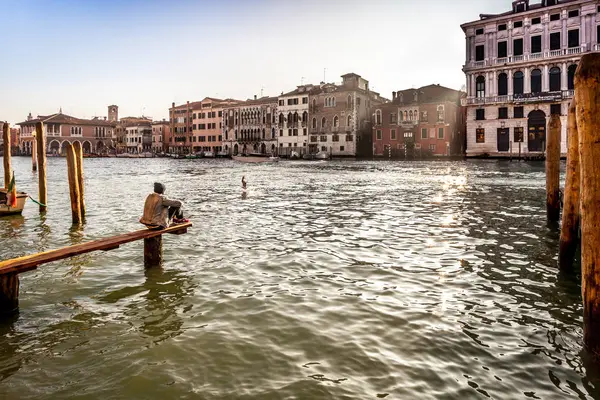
x: 180, y: 119
x: 292, y: 120
x: 160, y: 136
x: 125, y: 138
x: 339, y: 117
x: 519, y: 69
x: 138, y: 137
x: 427, y: 120
x: 250, y: 126
x: 14, y: 141
x: 95, y: 135
x: 207, y: 124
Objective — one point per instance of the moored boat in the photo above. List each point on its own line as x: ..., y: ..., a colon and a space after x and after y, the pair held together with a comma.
x: 6, y: 210
x: 322, y: 155
x: 294, y: 155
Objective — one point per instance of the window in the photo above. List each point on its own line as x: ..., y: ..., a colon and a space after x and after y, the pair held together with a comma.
x: 349, y: 121
x: 555, y: 41
x: 518, y: 47
x: 304, y: 130
x: 554, y: 79
x: 423, y: 133
x: 281, y: 132
x: 536, y: 44
x: 323, y: 138
x: 305, y: 100
x: 502, y: 84
x: 571, y: 76
x: 314, y: 123
x: 479, y: 31
x: 349, y: 138
x: 440, y: 113
x: 518, y: 24
x: 393, y: 118
x: 518, y: 82
x: 536, y: 21
x: 518, y: 134
x: 378, y: 134
x: 281, y: 102
x: 555, y: 109
x: 555, y: 17
x: 502, y: 27
x: 335, y: 138
x: 479, y: 87
x: 378, y: 117
x: 502, y: 49
x: 341, y: 148
x: 479, y: 53
x: 323, y: 122
x: 220, y: 113
x: 479, y: 135
x: 518, y: 112
x: 440, y: 133
x: 573, y: 38
x: 393, y: 134
x: 480, y: 114
x: 536, y: 81
x: 502, y: 112
x: 573, y: 13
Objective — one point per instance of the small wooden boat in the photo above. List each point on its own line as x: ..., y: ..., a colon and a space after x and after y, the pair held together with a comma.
x: 6, y: 210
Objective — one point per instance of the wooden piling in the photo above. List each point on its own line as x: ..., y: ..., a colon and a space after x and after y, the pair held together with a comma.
x: 9, y: 294
x: 73, y: 185
x: 79, y: 161
x: 553, y: 169
x: 153, y: 251
x: 587, y: 109
x: 41, y: 157
x: 570, y: 217
x: 34, y: 156
x: 7, y: 153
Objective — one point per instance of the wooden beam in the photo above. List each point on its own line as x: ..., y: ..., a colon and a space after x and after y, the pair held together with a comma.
x: 41, y: 155
x: 73, y: 184
x: 30, y: 262
x: 587, y: 96
x: 79, y: 162
x: 7, y: 154
x: 553, y: 169
x: 570, y: 217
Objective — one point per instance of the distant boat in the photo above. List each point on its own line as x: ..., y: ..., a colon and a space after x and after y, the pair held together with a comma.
x: 273, y: 159
x: 223, y: 154
x: 209, y: 154
x: 6, y: 210
x: 308, y: 156
x: 322, y: 155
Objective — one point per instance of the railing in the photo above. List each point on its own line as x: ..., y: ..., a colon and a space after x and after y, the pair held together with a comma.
x: 533, y: 56
x: 597, y: 47
x: 409, y: 122
x: 527, y: 97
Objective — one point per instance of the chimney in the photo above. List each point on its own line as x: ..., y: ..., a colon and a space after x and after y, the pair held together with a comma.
x: 393, y: 95
x: 254, y: 97
x: 105, y: 118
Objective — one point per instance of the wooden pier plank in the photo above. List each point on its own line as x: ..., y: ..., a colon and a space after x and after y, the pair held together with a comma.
x: 30, y: 262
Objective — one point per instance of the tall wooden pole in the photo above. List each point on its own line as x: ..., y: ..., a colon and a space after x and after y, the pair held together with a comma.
x: 73, y: 184
x: 153, y: 251
x: 570, y: 217
x: 587, y: 96
x: 79, y: 162
x: 7, y: 153
x: 553, y: 169
x: 41, y: 156
x: 34, y: 156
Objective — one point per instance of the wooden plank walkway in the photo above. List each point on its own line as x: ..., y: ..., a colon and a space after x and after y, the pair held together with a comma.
x: 31, y: 262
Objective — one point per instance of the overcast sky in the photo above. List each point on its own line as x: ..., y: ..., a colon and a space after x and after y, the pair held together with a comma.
x: 144, y: 54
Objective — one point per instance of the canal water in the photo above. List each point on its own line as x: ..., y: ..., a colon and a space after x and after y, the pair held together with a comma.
x: 328, y: 280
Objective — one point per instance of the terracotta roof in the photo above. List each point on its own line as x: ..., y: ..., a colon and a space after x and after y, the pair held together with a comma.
x: 60, y: 118
x: 305, y: 90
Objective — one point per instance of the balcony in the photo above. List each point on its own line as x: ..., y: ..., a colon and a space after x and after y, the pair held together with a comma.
x: 522, y: 98
x: 527, y: 57
x: 597, y: 47
x: 408, y: 123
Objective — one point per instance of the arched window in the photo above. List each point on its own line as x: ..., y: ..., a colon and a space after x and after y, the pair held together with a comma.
x: 263, y: 133
x: 281, y: 118
x: 314, y: 123
x: 416, y: 115
x: 406, y: 115
x: 295, y: 117
x: 349, y: 122
x: 349, y: 102
x: 502, y: 84
x: 554, y: 79
x: 314, y: 105
x: 323, y: 122
x: 518, y: 85
x: 536, y: 81
x: 378, y: 117
x: 304, y: 116
x: 480, y: 87
x: 571, y: 76
x: 410, y: 115
x: 289, y: 119
x: 401, y: 116
x: 336, y: 121
x: 272, y: 133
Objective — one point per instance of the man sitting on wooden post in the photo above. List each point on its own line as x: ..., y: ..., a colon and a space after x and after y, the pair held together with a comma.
x: 159, y: 210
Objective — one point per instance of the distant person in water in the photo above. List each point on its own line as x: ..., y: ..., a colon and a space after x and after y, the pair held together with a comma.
x: 159, y: 211
x: 244, y: 182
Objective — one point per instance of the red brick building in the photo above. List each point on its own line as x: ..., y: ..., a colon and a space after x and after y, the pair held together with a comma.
x: 424, y: 121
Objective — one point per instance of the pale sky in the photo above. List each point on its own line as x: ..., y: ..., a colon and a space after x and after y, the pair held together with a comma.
x: 144, y: 54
